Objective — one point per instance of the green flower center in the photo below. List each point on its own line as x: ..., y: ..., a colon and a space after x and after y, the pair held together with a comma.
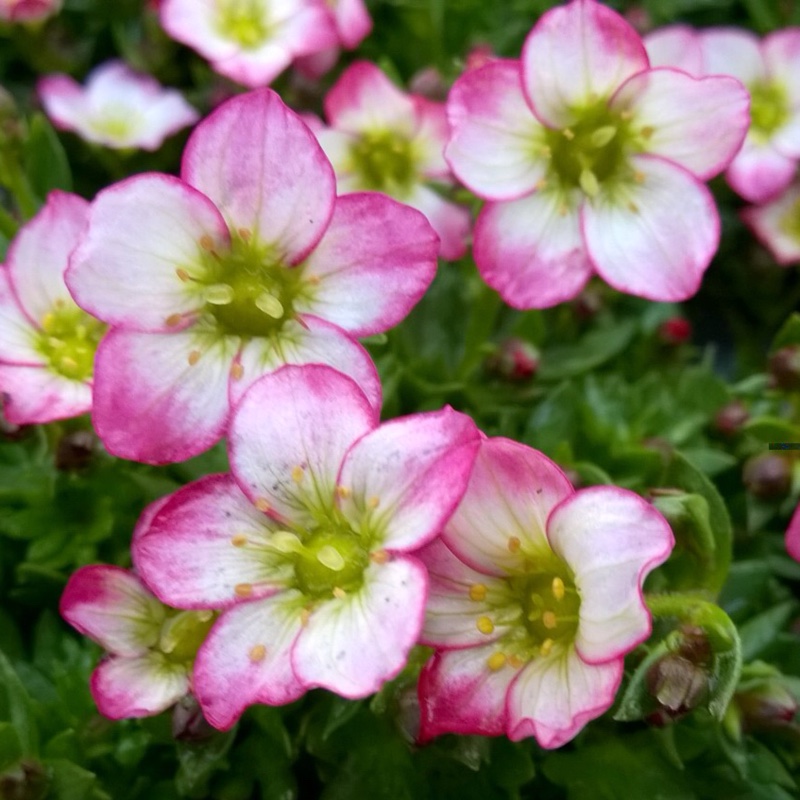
x: 769, y: 109
x: 550, y: 605
x: 243, y: 22
x: 384, y: 162
x: 790, y: 221
x: 182, y: 633
x: 331, y: 562
x: 68, y: 340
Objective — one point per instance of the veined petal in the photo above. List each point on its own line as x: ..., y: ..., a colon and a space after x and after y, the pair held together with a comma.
x: 793, y: 535
x: 353, y: 645
x: 451, y: 221
x: 289, y: 435
x: 575, y: 55
x: 732, y: 51
x: 140, y: 686
x: 364, y: 100
x: 18, y: 332
x: 496, y: 144
x: 611, y: 538
x: 403, y: 480
x: 653, y: 238
x: 759, y: 172
x: 142, y: 231
x: 312, y: 342
x: 697, y: 123
x: 112, y: 607
x: 531, y: 250
x: 209, y: 547
x: 161, y: 397
x: 36, y: 395
x: 554, y: 697
x: 262, y: 166
x: 374, y: 263
x: 773, y: 222
x: 458, y: 693
x: 502, y: 518
x: 38, y: 256
x: 245, y: 658
x: 675, y: 46
x: 457, y: 596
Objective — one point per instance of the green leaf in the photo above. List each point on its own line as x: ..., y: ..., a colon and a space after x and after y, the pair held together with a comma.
x: 45, y: 160
x: 71, y: 782
x: 788, y: 334
x: 760, y: 631
x: 19, y: 707
x: 10, y: 746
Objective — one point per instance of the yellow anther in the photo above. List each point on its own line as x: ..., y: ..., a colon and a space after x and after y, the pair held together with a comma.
x: 270, y: 305
x: 237, y: 370
x: 477, y: 591
x: 563, y: 210
x: 647, y: 131
x: 514, y: 544
x: 632, y: 207
x: 219, y: 294
x: 515, y: 661
x: 182, y: 274
x: 298, y: 473
x: 496, y: 661
x: 373, y: 502
x: 245, y: 233
x: 557, y: 588
x: 625, y: 114
x: 602, y: 136
x: 314, y: 280
x: 48, y: 322
x: 193, y: 358
x: 305, y: 616
x: 549, y: 620
x: 59, y: 303
x: 542, y: 183
x: 207, y: 243
x: 568, y: 134
x: 343, y: 492
x: 545, y: 151
x: 172, y: 320
x: 339, y: 593
x: 589, y: 183
x: 243, y: 589
x: 546, y: 647
x: 331, y: 558
x: 484, y: 625
x: 257, y: 653
x: 67, y: 363
x: 378, y: 556
x: 638, y: 176
x: 239, y: 540
x: 262, y: 504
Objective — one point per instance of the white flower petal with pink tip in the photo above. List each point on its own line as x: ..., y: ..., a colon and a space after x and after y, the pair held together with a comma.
x: 491, y: 148
x: 575, y: 55
x: 683, y: 114
x: 312, y: 342
x: 531, y: 250
x: 553, y: 697
x: 777, y: 225
x: 431, y: 137
x: 285, y: 449
x: 125, y: 271
x: 208, y: 547
x: 353, y: 645
x: 245, y: 658
x: 503, y: 516
x: 112, y: 607
x: 451, y: 221
x: 161, y: 397
x: 675, y: 46
x: 138, y: 687
x: 654, y: 246
x: 373, y: 264
x: 263, y: 168
x: 611, y: 538
x: 35, y: 395
x: 732, y: 51
x: 759, y: 172
x: 412, y: 473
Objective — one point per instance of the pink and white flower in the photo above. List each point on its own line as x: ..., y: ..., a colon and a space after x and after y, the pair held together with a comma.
x: 251, y: 41
x: 28, y: 10
x: 535, y: 598
x: 777, y: 224
x: 117, y: 108
x: 247, y: 262
x: 47, y: 343
x: 384, y: 140
x: 676, y: 46
x: 150, y: 647
x: 308, y: 545
x: 592, y: 162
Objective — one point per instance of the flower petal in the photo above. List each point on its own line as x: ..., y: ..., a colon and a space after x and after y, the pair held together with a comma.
x: 128, y: 274
x: 793, y: 535
x: 458, y: 693
x: 262, y: 166
x: 494, y: 136
x: 732, y: 51
x: 781, y: 53
x: 773, y: 222
x: 433, y: 132
x: 554, y: 697
x: 18, y: 334
x: 34, y: 395
x: 531, y: 251
x: 373, y: 264
x: 208, y: 547
x: 450, y: 220
x: 112, y: 607
x: 675, y: 46
x: 611, y: 538
x: 289, y: 435
x: 654, y: 238
x: 404, y: 479
x: 353, y: 22
x: 138, y: 687
x: 353, y: 645
x: 63, y: 100
x: 759, y: 172
x: 697, y: 123
x: 161, y: 397
x: 245, y: 658
x: 575, y: 55
x: 503, y: 515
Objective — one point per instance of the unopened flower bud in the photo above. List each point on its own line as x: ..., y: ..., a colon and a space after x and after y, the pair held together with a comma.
x: 768, y: 476
x: 767, y: 706
x: 677, y: 685
x: 675, y: 330
x: 514, y: 359
x: 27, y: 781
x: 784, y: 368
x: 588, y: 303
x: 75, y: 450
x: 188, y: 722
x: 730, y: 418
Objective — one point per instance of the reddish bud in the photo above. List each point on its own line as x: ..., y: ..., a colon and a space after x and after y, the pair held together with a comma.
x: 784, y: 368
x: 75, y: 450
x: 514, y: 359
x: 768, y: 476
x: 675, y: 330
x: 767, y: 706
x: 588, y: 303
x: 730, y: 418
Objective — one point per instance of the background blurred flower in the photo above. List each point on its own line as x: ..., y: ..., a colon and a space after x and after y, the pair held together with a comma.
x: 28, y: 10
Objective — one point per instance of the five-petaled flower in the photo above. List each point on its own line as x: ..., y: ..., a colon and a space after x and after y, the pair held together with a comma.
x: 385, y: 140
x: 118, y: 107
x: 592, y: 162
x: 246, y: 263
x: 47, y: 343
x: 251, y: 41
x: 535, y: 598
x: 308, y: 544
x: 150, y: 647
